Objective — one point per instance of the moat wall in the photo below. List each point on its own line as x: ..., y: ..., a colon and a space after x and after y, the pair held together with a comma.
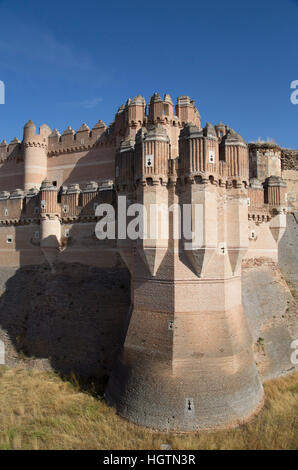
x: 69, y: 320
x: 73, y: 319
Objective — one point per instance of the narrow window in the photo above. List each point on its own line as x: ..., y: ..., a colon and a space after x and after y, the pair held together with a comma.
x: 222, y: 249
x: 211, y: 156
x: 189, y: 406
x: 149, y: 161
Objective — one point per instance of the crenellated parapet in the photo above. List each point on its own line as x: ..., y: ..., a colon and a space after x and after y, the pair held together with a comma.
x: 82, y: 140
x: 186, y: 111
x: 67, y: 203
x: 130, y: 117
x: 11, y: 151
x: 11, y: 207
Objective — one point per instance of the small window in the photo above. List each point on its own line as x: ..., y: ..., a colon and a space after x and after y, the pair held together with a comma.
x: 65, y: 208
x: 189, y: 405
x: 9, y: 239
x: 248, y: 201
x: 253, y: 235
x: 36, y: 235
x: 211, y: 156
x: 95, y: 206
x: 222, y: 248
x: 43, y: 204
x: 67, y: 233
x: 149, y: 161
x: 36, y: 210
x: 6, y: 212
x: 166, y: 109
x: 55, y: 183
x: 82, y: 141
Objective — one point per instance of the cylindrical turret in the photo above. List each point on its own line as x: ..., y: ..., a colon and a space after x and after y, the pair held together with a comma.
x: 275, y: 191
x: 234, y: 152
x: 35, y: 154
x: 152, y: 154
x: 49, y: 220
x: 199, y: 148
x: 136, y: 111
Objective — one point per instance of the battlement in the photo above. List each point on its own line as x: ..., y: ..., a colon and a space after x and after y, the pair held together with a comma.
x: 11, y: 151
x: 82, y: 140
x: 158, y: 140
x: 68, y: 203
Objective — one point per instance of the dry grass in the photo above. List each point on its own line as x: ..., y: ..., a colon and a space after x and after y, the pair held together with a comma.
x: 40, y: 411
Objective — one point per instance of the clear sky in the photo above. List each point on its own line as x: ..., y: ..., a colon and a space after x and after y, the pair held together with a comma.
x: 68, y: 62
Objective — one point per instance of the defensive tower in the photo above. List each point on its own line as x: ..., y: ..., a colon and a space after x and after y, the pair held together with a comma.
x: 186, y: 362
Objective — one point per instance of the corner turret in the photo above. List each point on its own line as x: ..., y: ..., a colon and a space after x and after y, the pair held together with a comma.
x: 35, y: 154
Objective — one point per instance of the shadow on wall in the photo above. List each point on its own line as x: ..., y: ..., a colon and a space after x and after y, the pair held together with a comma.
x: 73, y: 317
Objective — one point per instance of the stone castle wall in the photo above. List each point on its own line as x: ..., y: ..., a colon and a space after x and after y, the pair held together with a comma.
x: 289, y: 167
x: 69, y: 303
x: 70, y: 320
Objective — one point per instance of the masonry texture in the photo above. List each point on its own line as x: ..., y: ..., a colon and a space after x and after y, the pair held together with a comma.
x: 181, y: 328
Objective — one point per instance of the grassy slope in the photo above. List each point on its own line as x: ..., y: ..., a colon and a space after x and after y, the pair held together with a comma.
x: 40, y: 411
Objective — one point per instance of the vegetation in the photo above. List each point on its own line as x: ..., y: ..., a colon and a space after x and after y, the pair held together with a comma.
x: 39, y: 410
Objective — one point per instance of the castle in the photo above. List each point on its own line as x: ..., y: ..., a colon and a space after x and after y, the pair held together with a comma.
x: 185, y: 360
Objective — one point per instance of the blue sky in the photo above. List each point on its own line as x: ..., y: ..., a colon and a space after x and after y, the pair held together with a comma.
x: 70, y: 62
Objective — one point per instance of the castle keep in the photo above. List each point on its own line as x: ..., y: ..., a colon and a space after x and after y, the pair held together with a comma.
x: 183, y: 356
